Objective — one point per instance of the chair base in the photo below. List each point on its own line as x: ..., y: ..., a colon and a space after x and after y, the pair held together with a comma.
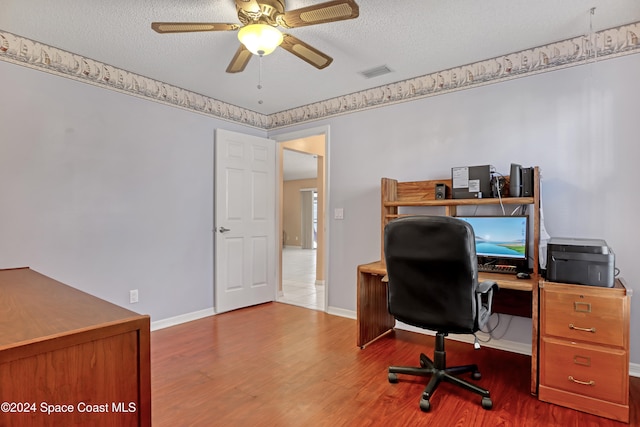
x: 438, y: 371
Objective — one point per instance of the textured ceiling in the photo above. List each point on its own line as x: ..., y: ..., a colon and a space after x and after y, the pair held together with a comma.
x: 411, y: 37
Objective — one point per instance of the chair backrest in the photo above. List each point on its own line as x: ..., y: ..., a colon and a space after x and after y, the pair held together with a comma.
x: 433, y: 273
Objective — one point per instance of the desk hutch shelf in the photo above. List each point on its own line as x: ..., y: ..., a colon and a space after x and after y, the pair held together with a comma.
x: 396, y: 195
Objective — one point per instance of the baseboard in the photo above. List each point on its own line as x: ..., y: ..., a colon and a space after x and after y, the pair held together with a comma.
x: 512, y: 346
x: 349, y: 314
x: 183, y: 318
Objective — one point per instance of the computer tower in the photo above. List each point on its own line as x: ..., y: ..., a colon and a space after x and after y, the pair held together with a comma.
x: 471, y: 182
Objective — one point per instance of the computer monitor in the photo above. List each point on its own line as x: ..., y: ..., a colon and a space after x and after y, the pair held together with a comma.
x: 500, y: 237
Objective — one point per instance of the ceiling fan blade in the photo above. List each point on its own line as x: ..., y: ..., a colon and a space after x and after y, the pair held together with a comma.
x: 331, y: 11
x: 240, y: 60
x: 305, y: 52
x: 191, y: 27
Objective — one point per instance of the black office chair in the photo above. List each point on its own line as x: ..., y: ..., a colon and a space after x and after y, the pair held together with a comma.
x: 433, y: 284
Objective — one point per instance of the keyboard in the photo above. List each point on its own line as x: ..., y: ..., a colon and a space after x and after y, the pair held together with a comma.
x: 497, y: 268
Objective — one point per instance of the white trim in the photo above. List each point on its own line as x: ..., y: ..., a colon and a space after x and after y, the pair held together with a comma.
x: 183, y: 318
x: 304, y: 133
x: 634, y: 370
x: 510, y: 346
x: 341, y: 312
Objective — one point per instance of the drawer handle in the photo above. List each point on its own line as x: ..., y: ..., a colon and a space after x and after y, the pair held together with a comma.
x: 574, y: 327
x: 591, y: 383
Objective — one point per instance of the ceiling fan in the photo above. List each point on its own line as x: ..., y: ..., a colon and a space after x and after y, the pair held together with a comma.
x: 258, y: 16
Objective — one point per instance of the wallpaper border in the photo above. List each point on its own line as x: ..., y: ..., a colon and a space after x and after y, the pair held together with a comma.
x: 605, y: 44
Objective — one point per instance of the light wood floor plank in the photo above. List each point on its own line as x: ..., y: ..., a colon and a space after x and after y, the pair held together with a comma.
x: 281, y: 365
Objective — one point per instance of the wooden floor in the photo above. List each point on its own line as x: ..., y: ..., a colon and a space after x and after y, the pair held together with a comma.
x: 281, y: 365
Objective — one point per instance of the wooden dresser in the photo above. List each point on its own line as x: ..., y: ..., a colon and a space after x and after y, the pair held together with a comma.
x: 68, y: 358
x: 584, y: 348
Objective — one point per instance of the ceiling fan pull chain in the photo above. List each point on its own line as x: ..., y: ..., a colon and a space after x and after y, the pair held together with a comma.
x: 260, y: 76
x: 260, y: 73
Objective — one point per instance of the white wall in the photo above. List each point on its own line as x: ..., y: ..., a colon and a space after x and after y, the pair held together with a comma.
x: 107, y: 192
x: 580, y: 125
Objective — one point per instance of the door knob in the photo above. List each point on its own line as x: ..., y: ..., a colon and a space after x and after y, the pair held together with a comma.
x: 224, y: 230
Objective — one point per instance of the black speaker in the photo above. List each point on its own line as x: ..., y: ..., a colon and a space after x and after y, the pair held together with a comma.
x: 527, y: 182
x: 441, y: 191
x: 515, y: 181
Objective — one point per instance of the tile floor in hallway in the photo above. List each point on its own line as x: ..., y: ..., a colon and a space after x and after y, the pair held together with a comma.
x: 299, y: 278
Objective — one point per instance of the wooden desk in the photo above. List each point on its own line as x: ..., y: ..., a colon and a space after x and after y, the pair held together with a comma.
x: 516, y: 296
x: 374, y: 320
x: 60, y: 346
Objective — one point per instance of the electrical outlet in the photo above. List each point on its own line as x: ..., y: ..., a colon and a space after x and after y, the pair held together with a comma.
x: 133, y: 296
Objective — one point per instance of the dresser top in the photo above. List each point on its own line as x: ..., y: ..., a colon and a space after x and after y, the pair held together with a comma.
x: 35, y: 307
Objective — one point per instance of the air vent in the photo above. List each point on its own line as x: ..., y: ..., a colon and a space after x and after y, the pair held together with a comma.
x: 375, y: 72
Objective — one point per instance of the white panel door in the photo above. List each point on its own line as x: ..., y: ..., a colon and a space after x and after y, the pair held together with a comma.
x: 244, y: 224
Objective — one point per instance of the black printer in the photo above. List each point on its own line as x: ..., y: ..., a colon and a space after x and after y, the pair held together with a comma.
x: 581, y: 261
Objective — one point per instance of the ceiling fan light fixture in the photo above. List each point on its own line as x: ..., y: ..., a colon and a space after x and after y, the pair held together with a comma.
x: 260, y: 39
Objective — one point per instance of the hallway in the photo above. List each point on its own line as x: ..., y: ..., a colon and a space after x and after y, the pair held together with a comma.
x: 298, y: 279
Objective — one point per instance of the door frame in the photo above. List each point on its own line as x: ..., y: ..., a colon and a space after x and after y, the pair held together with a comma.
x: 291, y: 136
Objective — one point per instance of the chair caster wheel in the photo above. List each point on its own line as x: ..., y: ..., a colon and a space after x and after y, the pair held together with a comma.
x: 487, y: 403
x: 424, y: 361
x: 393, y: 378
x: 476, y: 375
x: 425, y: 405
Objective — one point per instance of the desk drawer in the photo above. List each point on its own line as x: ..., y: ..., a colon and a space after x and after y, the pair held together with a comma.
x: 587, y: 315
x: 586, y: 370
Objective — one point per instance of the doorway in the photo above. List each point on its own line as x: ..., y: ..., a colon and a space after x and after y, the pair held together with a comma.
x: 302, y: 266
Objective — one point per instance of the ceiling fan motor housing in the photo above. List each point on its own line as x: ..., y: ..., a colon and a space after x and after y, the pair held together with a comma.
x: 263, y: 11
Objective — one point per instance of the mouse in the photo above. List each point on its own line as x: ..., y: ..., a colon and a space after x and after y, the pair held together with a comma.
x: 523, y: 275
